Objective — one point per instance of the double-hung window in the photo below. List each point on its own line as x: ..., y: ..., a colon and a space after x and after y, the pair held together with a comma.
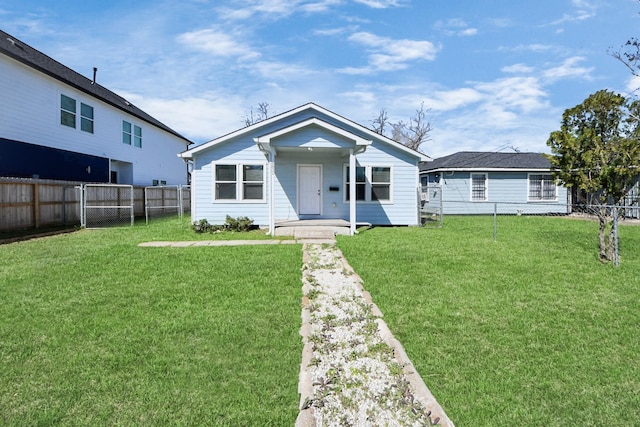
x: 69, y: 113
x: 131, y: 133
x: 478, y: 187
x: 239, y: 182
x: 86, y: 118
x: 373, y: 183
x: 542, y: 187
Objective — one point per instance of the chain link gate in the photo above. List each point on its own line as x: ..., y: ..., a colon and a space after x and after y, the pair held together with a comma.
x: 106, y: 205
x: 163, y: 201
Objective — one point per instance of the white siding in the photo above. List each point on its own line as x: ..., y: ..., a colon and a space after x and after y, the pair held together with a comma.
x: 30, y: 111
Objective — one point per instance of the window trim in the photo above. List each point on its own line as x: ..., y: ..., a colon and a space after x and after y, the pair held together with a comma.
x: 541, y: 199
x: 239, y: 182
x: 64, y: 110
x: 368, y: 192
x: 486, y: 186
x: 87, y: 119
x: 134, y: 140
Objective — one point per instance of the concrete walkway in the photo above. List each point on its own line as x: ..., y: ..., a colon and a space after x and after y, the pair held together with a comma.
x: 306, y: 417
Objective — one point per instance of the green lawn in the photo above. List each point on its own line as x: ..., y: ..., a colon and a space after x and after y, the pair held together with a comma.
x: 528, y: 330
x: 97, y: 331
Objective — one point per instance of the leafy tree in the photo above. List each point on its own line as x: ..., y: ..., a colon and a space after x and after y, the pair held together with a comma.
x: 412, y: 134
x: 597, y: 151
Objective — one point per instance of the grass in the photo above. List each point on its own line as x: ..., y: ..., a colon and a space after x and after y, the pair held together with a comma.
x: 97, y: 331
x: 528, y: 330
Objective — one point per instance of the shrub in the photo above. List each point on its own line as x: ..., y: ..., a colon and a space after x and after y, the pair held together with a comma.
x: 242, y: 223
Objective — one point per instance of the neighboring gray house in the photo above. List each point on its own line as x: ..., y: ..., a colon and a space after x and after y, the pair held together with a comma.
x: 298, y: 166
x: 473, y: 182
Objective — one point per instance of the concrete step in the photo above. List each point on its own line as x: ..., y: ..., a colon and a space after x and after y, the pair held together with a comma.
x: 302, y: 233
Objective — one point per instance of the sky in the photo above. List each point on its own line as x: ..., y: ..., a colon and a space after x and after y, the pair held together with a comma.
x: 493, y: 75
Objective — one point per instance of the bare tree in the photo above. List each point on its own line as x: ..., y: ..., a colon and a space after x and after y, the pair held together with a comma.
x: 629, y: 55
x: 261, y: 113
x: 380, y: 123
x: 411, y: 134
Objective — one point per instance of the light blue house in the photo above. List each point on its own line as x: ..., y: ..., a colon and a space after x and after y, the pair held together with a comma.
x: 483, y: 182
x: 299, y: 166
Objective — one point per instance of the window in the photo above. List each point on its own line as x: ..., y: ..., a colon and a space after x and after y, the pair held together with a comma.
x: 542, y: 187
x: 250, y: 186
x: 126, y: 133
x: 131, y: 133
x: 137, y: 136
x: 373, y: 183
x: 361, y: 183
x: 86, y: 117
x: 478, y: 187
x: 67, y: 111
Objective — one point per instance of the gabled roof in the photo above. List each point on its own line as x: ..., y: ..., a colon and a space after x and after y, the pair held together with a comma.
x: 22, y: 52
x: 478, y: 160
x: 316, y: 112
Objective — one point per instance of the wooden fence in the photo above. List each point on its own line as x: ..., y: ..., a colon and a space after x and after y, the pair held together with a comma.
x: 36, y: 203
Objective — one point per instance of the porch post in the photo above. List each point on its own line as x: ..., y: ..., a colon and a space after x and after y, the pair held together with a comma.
x: 272, y: 221
x: 352, y: 192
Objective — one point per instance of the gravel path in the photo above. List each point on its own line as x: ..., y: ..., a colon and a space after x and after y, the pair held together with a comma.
x: 353, y: 372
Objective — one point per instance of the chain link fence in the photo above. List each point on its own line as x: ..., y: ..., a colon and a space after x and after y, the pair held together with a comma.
x: 165, y: 201
x: 106, y: 205
x: 629, y: 214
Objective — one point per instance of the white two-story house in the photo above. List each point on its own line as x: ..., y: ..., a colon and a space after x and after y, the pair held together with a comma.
x: 57, y: 124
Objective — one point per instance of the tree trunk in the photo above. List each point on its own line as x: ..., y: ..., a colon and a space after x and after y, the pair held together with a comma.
x: 602, y: 219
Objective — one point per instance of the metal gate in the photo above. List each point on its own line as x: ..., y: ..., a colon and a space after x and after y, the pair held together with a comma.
x: 163, y: 201
x: 431, y: 204
x: 106, y: 205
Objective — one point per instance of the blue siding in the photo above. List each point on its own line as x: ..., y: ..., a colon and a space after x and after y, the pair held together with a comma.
x: 329, y: 150
x: 509, y: 189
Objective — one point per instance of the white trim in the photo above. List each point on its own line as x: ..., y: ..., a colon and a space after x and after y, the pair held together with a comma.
x: 310, y: 106
x: 443, y: 170
x: 239, y: 182
x: 266, y: 139
x: 319, y: 166
x: 529, y: 199
x: 486, y: 187
x: 352, y: 192
x: 368, y: 183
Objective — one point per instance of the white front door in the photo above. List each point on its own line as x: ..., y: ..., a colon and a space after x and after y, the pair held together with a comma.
x: 309, y: 189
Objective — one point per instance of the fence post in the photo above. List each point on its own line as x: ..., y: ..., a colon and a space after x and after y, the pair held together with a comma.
x: 495, y: 222
x: 616, y: 254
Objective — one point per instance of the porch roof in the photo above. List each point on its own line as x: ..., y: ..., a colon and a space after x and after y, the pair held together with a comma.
x: 265, y: 141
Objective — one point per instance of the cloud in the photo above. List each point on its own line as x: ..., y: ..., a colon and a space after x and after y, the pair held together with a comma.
x: 568, y: 69
x: 275, y: 9
x: 379, y: 4
x: 584, y: 9
x: 386, y: 54
x: 199, y: 118
x: 217, y: 43
x: 517, y: 69
x: 633, y: 84
x: 455, y: 27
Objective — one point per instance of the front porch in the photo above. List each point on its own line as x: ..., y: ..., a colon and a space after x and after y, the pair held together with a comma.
x: 312, y: 228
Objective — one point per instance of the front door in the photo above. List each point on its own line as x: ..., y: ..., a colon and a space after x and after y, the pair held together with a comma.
x: 309, y: 189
